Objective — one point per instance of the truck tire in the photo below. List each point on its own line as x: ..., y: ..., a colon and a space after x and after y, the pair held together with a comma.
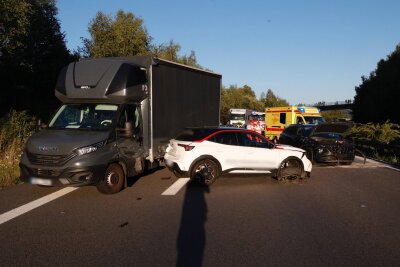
x: 290, y: 169
x: 205, y: 172
x: 113, y: 180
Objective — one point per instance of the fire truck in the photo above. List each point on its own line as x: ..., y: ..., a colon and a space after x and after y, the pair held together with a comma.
x: 277, y: 118
x: 257, y: 122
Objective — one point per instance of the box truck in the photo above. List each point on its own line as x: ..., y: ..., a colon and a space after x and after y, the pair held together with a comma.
x: 239, y: 117
x: 116, y: 119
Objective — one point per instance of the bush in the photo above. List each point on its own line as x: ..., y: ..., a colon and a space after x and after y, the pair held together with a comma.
x: 15, y: 129
x: 379, y: 141
x: 381, y: 133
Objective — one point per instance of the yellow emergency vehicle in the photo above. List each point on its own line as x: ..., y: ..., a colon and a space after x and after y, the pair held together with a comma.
x: 277, y: 118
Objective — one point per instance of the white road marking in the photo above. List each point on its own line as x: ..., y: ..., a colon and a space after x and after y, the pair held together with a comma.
x: 175, y: 187
x: 9, y: 215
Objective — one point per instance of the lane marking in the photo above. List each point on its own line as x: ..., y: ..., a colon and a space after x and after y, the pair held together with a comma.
x: 175, y: 187
x: 9, y: 215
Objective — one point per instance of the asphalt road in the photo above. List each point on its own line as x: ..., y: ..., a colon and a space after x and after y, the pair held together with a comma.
x: 342, y: 216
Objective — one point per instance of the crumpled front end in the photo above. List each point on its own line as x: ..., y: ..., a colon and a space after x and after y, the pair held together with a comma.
x: 334, y: 152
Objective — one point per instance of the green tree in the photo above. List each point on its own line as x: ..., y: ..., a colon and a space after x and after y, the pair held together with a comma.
x: 377, y: 96
x: 126, y: 35
x: 190, y: 60
x: 31, y: 54
x: 271, y: 100
x: 123, y: 35
x: 166, y: 51
x: 170, y: 52
x: 238, y: 97
x: 14, y: 23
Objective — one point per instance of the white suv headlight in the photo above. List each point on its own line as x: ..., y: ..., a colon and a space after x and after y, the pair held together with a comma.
x: 90, y: 149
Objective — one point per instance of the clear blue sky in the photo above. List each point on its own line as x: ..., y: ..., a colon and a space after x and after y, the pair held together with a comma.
x: 305, y: 51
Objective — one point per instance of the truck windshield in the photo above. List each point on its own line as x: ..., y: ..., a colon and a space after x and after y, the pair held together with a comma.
x: 314, y: 120
x: 84, y: 116
x: 257, y: 117
x: 237, y: 117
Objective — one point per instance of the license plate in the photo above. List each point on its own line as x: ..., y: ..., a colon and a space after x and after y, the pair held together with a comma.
x: 41, y: 181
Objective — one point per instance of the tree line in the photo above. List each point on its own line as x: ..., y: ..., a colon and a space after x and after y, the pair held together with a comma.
x: 244, y: 97
x: 33, y: 50
x: 377, y: 97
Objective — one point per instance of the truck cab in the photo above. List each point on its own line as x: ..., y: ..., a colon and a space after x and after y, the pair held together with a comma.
x: 239, y: 117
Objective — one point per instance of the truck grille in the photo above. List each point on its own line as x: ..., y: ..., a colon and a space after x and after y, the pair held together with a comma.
x: 49, y: 160
x: 45, y: 173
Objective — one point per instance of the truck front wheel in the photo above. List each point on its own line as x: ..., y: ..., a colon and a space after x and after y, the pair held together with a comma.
x: 113, y: 180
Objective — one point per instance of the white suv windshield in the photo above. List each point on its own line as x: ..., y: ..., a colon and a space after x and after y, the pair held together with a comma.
x: 84, y: 116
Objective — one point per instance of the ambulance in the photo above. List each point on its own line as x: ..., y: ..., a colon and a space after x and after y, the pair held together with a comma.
x: 277, y: 118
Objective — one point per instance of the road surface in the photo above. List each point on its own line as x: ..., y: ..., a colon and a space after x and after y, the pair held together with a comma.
x: 342, y: 216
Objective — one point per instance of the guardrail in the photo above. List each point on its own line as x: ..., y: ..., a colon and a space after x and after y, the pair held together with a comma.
x: 389, y: 153
x: 346, y: 102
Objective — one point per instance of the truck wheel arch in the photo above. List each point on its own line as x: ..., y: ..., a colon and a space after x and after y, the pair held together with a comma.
x: 113, y: 180
x: 123, y: 166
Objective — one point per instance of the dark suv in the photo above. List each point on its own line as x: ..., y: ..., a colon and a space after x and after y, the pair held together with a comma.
x: 326, y: 143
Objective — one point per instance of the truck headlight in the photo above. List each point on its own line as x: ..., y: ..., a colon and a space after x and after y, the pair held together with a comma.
x: 90, y: 149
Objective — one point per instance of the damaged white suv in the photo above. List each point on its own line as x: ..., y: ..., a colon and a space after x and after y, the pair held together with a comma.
x: 204, y: 154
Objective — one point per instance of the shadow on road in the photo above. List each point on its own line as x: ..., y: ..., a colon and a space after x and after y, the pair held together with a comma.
x: 133, y: 179
x: 191, y: 239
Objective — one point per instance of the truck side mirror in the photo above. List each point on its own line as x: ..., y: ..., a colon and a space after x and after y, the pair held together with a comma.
x: 126, y: 131
x: 41, y: 124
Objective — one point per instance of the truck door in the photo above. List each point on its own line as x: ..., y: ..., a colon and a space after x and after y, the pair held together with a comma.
x: 130, y: 139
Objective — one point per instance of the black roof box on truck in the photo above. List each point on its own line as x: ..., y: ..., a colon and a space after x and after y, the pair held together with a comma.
x: 109, y: 80
x: 102, y: 80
